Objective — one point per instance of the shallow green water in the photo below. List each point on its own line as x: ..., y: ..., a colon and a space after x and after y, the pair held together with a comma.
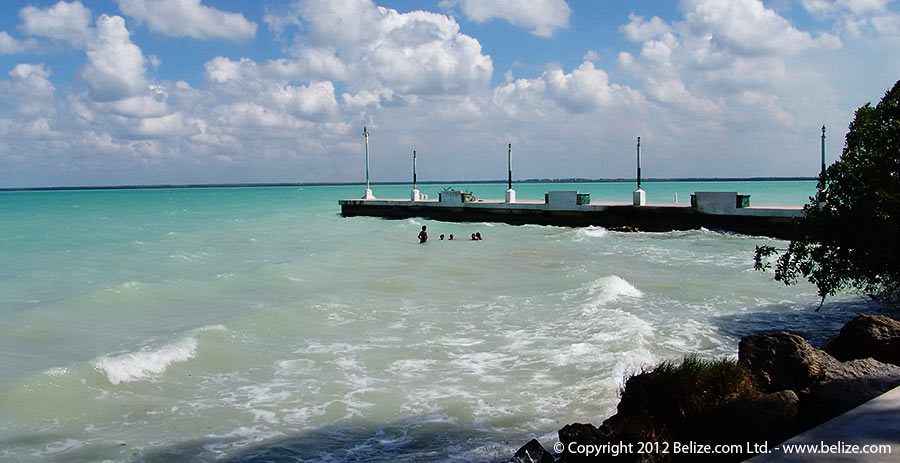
x: 242, y: 323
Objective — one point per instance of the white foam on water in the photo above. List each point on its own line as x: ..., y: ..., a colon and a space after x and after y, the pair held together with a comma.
x: 149, y: 362
x: 144, y: 364
x: 592, y: 232
x: 60, y: 447
x: 56, y: 372
x: 606, y: 290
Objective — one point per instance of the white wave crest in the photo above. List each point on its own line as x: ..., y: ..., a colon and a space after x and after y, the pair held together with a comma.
x: 592, y: 232
x: 611, y: 288
x: 134, y: 366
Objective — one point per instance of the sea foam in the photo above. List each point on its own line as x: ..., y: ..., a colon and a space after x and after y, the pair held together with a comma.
x: 134, y: 366
x: 611, y: 288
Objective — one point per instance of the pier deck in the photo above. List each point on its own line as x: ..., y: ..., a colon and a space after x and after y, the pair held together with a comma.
x: 772, y: 221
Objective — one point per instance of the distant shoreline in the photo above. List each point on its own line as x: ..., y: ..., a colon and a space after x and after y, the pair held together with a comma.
x: 429, y: 182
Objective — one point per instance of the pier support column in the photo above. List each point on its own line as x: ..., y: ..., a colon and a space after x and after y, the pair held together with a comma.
x: 414, y: 195
x: 639, y: 197
x: 510, y: 196
x: 368, y: 194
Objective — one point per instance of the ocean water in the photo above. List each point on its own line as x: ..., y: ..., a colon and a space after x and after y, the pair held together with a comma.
x: 257, y: 324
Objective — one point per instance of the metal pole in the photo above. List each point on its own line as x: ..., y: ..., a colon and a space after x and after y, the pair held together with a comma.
x: 822, y: 174
x: 509, y: 164
x: 366, y: 134
x: 414, y: 169
x: 639, y: 163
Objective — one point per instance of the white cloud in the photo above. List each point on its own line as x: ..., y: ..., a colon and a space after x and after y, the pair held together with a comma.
x: 261, y: 95
x: 747, y: 27
x: 10, y: 45
x: 116, y: 66
x: 585, y: 89
x: 411, y: 53
x: 543, y: 17
x: 313, y: 101
x: 139, y: 106
x: 189, y: 18
x: 638, y: 30
x: 888, y: 25
x: 31, y: 88
x: 860, y: 7
x: 64, y: 21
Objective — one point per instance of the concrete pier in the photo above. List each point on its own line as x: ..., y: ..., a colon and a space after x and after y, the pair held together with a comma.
x: 724, y: 211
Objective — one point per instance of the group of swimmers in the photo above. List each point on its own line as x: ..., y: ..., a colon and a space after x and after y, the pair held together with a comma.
x: 423, y: 236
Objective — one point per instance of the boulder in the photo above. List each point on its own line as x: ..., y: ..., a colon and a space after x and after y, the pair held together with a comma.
x: 867, y: 336
x: 843, y: 386
x: 782, y: 360
x: 769, y: 418
x: 581, y: 433
x: 532, y: 452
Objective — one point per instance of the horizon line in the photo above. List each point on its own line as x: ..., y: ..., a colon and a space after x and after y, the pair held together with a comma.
x: 427, y: 182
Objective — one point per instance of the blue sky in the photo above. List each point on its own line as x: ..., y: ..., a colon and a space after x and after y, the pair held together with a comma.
x: 121, y: 92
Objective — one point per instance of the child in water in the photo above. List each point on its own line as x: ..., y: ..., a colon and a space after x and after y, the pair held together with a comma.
x: 423, y: 235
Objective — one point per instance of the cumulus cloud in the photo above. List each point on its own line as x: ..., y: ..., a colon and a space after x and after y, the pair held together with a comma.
x: 747, y: 27
x: 638, y: 30
x: 378, y: 48
x: 189, y: 18
x: 584, y: 90
x: 543, y: 17
x: 63, y: 21
x: 116, y: 66
x: 31, y: 88
x: 266, y: 92
x: 855, y: 17
x: 10, y: 45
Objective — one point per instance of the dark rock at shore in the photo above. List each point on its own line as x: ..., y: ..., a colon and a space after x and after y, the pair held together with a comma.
x: 783, y: 360
x: 771, y: 417
x: 581, y: 433
x: 780, y: 386
x: 624, y: 228
x: 866, y: 336
x: 532, y: 452
x: 843, y: 386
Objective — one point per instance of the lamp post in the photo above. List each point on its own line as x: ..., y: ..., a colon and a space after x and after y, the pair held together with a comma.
x: 822, y: 173
x: 368, y: 194
x: 414, y: 194
x: 510, y: 193
x: 639, y: 198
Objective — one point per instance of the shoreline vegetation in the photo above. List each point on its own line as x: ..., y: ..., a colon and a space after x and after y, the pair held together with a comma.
x: 426, y: 182
x: 780, y: 386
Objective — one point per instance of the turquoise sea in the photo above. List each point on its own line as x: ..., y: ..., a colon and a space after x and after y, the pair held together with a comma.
x: 257, y: 324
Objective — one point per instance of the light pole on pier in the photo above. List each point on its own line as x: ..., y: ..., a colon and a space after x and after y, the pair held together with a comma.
x: 639, y: 198
x: 822, y: 173
x: 368, y: 194
x: 510, y: 193
x: 414, y: 194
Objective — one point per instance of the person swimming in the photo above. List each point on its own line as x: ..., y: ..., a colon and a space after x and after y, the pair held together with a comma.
x: 423, y: 235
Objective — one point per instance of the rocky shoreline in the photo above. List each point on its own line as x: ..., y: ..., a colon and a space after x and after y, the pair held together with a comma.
x: 780, y: 386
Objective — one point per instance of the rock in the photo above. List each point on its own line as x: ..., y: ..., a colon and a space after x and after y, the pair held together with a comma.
x: 580, y: 433
x: 843, y: 386
x: 532, y: 452
x: 783, y: 360
x: 770, y: 418
x: 865, y: 336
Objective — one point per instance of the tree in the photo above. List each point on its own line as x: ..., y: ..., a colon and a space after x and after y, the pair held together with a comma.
x: 848, y: 237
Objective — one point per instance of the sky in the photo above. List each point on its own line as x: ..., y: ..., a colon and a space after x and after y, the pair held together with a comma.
x: 141, y: 92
